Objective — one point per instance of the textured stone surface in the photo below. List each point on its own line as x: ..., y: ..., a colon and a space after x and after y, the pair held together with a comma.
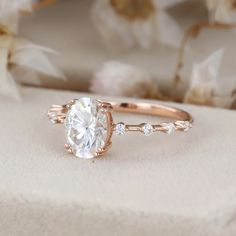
x: 170, y: 185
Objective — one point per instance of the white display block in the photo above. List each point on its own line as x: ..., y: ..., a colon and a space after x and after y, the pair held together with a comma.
x: 168, y: 185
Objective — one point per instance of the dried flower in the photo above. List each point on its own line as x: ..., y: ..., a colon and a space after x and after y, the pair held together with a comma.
x: 135, y: 22
x: 14, y: 53
x: 119, y: 79
x: 133, y: 9
x: 204, y: 88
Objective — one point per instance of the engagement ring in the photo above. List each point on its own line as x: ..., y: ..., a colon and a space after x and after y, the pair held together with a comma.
x: 89, y: 123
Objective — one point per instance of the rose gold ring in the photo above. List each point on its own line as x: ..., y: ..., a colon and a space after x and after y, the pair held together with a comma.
x: 89, y: 123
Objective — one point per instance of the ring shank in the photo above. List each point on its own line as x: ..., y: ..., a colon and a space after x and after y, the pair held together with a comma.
x: 183, y: 120
x: 152, y: 109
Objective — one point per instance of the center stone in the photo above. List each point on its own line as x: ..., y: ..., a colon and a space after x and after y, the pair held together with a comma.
x: 86, y: 128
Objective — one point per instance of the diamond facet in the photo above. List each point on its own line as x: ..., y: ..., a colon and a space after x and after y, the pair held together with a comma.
x: 147, y: 129
x: 169, y: 127
x: 120, y: 128
x: 86, y: 128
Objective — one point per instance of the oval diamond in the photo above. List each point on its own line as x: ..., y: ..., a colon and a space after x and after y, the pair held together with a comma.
x: 86, y: 128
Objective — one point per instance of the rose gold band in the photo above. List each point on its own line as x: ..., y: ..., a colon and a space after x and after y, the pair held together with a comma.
x: 184, y: 119
x: 183, y: 122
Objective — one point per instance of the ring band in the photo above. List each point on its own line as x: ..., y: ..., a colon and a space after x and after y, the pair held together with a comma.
x: 89, y: 123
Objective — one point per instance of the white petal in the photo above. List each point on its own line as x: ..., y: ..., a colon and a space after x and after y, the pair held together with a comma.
x: 208, y: 70
x: 26, y: 76
x: 204, y: 88
x: 23, y: 44
x: 119, y: 79
x: 222, y: 13
x: 117, y: 30
x: 220, y: 10
x: 113, y: 29
x: 144, y: 32
x: 8, y: 87
x: 10, y: 10
x: 168, y: 31
x: 10, y: 20
x: 20, y: 5
x: 36, y: 60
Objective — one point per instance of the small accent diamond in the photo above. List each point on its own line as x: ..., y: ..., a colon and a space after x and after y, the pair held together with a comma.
x: 187, y: 126
x: 184, y: 125
x: 120, y: 128
x: 147, y: 129
x: 169, y: 127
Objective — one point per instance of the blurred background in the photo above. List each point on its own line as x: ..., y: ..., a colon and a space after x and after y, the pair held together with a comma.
x: 171, y: 50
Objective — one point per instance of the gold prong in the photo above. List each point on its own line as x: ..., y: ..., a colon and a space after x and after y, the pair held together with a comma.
x: 105, y: 106
x: 68, y: 148
x: 70, y: 103
x: 104, y: 150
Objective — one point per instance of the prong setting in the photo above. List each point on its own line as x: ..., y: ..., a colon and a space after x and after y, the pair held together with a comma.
x: 88, y: 127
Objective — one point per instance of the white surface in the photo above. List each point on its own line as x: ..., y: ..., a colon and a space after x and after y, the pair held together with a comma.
x: 181, y: 184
